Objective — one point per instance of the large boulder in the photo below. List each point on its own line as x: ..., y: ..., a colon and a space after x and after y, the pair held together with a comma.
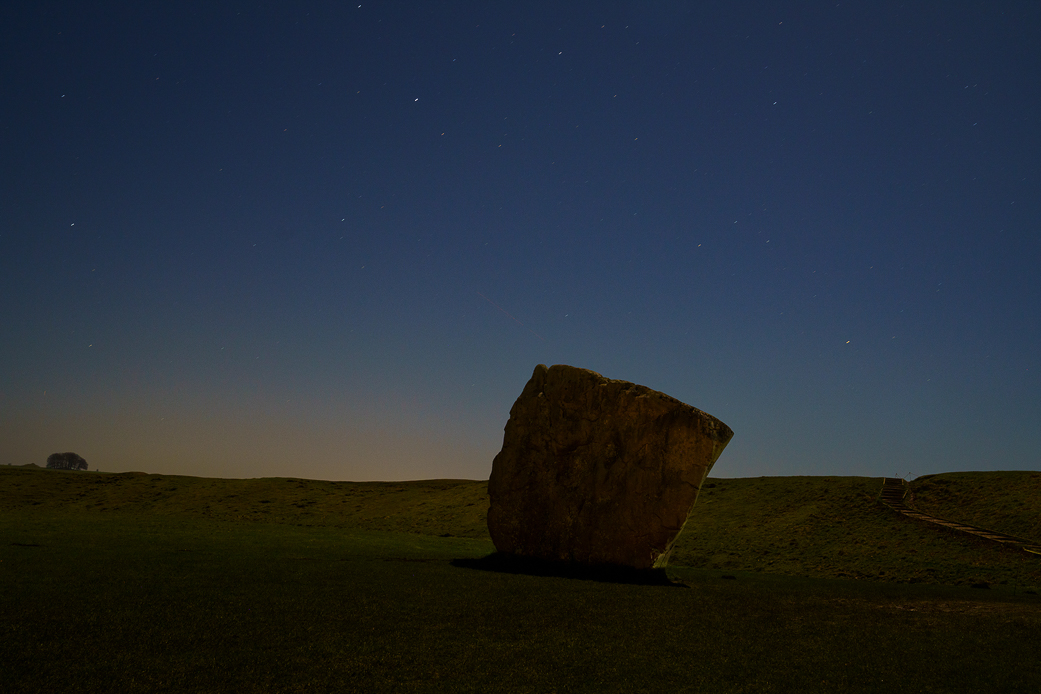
x: 597, y: 471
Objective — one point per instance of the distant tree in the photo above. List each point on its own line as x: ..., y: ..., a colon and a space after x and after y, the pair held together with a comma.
x: 66, y: 461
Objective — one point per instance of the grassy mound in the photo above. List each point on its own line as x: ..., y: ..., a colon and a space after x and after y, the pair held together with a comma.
x: 1008, y: 502
x: 432, y: 507
x: 835, y: 527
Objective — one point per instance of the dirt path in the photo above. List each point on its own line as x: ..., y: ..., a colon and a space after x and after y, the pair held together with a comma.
x: 894, y: 495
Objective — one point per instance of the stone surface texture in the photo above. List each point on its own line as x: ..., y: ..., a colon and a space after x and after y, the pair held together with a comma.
x: 598, y: 471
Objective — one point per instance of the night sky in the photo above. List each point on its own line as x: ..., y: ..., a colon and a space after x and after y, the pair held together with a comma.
x: 332, y: 240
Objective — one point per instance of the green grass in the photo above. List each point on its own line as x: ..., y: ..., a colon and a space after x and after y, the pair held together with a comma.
x: 1009, y: 502
x: 457, y: 507
x: 835, y: 527
x: 176, y: 590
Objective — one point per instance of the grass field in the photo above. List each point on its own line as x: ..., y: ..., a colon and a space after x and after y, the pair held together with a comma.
x: 1009, y: 502
x: 137, y: 582
x: 834, y: 527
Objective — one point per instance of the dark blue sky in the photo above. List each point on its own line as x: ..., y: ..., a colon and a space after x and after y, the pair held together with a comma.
x: 332, y: 240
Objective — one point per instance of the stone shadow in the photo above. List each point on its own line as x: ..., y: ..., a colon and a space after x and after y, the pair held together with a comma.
x: 500, y: 562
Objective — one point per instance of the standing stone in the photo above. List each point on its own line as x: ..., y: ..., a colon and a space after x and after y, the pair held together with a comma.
x: 598, y: 471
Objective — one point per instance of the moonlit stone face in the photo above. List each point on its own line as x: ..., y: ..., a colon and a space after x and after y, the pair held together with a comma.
x: 598, y: 471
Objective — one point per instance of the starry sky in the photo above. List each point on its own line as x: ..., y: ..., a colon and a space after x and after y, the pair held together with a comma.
x: 332, y: 240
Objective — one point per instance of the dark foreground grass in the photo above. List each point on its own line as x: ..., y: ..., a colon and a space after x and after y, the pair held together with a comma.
x: 103, y: 603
